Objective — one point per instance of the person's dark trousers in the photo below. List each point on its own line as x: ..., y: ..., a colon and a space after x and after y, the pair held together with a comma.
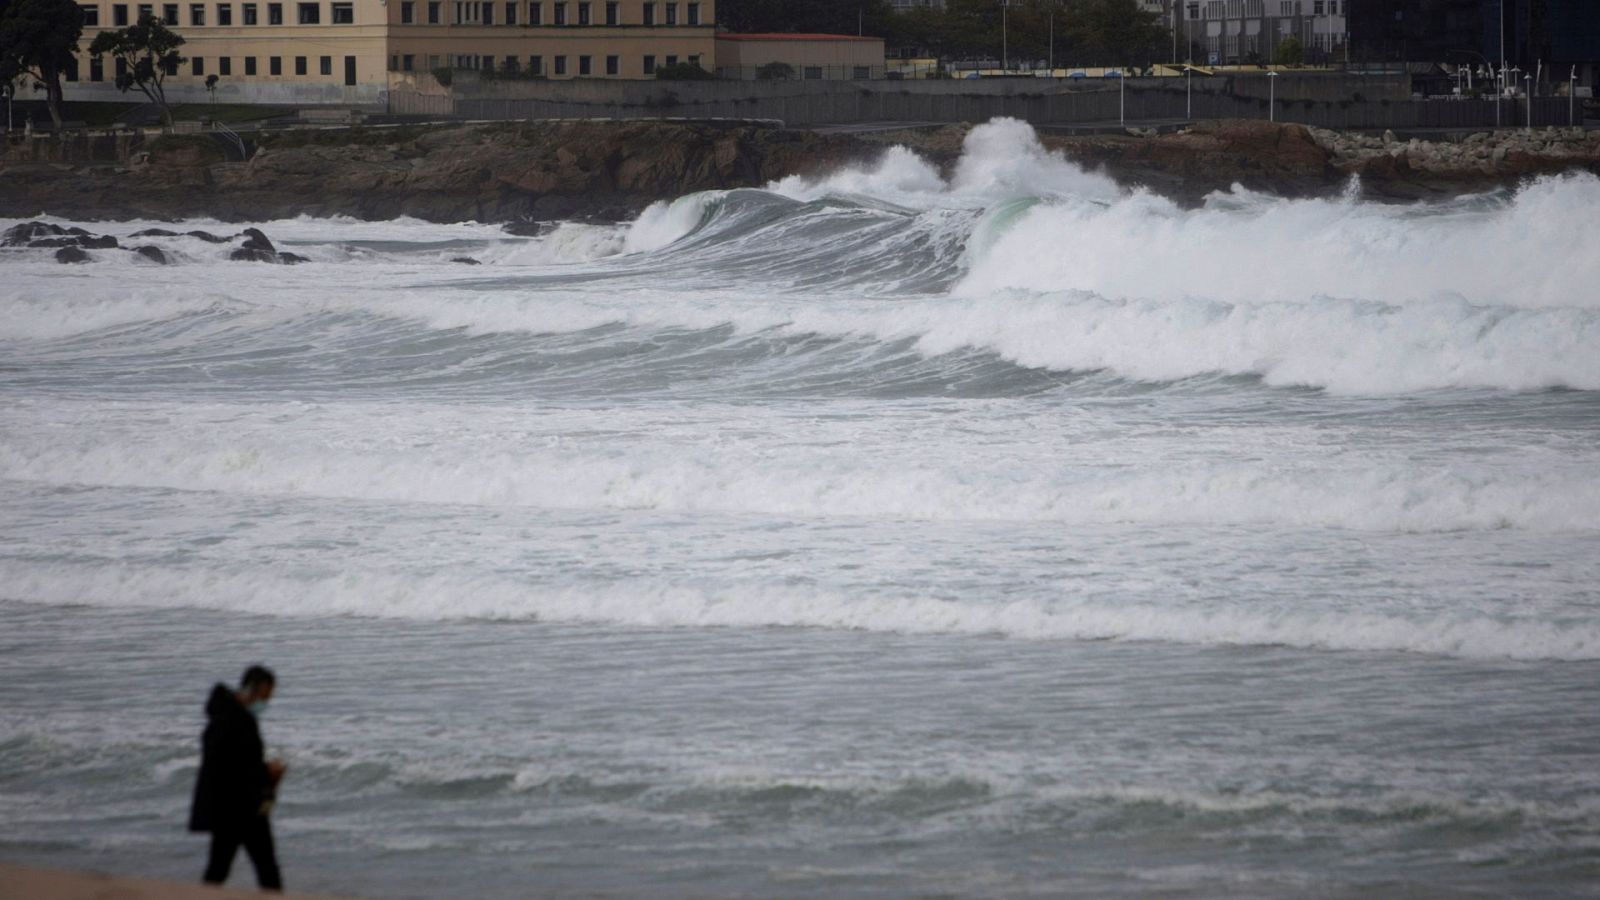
x: 256, y: 836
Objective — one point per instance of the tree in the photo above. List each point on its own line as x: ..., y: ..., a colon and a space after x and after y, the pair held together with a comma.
x: 1289, y: 52
x: 1115, y: 32
x: 872, y: 17
x: 148, y: 52
x: 39, y: 39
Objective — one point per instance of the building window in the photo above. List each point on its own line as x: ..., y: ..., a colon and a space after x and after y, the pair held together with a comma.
x: 649, y: 14
x: 511, y: 14
x: 862, y: 73
x: 170, y: 64
x: 433, y: 13
x: 613, y: 65
x: 561, y: 13
x: 197, y: 66
x: 300, y: 65
x: 694, y: 14
x: 612, y: 16
x: 535, y: 65
x: 169, y: 13
x: 224, y: 65
x: 561, y: 65
x: 408, y: 13
x: 274, y: 13
x: 91, y: 16
x: 309, y: 13
x: 325, y: 65
x: 197, y: 14
x: 585, y: 66
x: 535, y: 14
x: 224, y: 14
x: 249, y: 10
x: 671, y: 60
x: 97, y: 69
x: 146, y: 9
x: 342, y: 14
x: 583, y: 14
x: 672, y: 13
x: 649, y: 65
x: 119, y: 15
x: 1316, y: 7
x: 71, y: 72
x: 408, y: 63
x: 249, y: 65
x: 122, y: 68
x: 274, y: 65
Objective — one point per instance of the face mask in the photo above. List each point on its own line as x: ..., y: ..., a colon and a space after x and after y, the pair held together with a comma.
x: 258, y: 707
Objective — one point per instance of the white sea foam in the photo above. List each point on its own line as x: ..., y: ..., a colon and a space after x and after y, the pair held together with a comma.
x: 647, y: 603
x: 841, y: 472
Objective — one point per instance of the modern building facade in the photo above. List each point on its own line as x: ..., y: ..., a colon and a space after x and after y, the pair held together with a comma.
x: 1226, y: 32
x: 343, y: 51
x: 1552, y: 39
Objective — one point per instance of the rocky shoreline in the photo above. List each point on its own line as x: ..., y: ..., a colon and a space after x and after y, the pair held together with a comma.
x: 541, y: 171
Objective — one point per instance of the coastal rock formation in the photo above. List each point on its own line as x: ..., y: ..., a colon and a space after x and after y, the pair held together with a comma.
x: 532, y: 172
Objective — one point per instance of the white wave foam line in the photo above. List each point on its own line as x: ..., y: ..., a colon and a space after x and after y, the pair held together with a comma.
x: 1533, y: 251
x: 1000, y: 160
x: 666, y: 222
x: 1374, y: 495
x: 643, y: 603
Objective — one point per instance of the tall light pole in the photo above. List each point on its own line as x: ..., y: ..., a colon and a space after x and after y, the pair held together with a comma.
x: 1188, y: 92
x: 1272, y: 97
x: 1122, y: 96
x: 1005, y: 37
x: 1528, y: 80
x: 1572, y: 91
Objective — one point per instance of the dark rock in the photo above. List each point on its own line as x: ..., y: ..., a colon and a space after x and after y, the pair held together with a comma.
x: 154, y: 232
x: 92, y: 242
x: 528, y: 228
x: 153, y: 254
x: 290, y: 259
x: 71, y: 255
x: 250, y: 254
x: 207, y: 236
x: 255, y: 240
x: 19, y: 235
x: 466, y: 261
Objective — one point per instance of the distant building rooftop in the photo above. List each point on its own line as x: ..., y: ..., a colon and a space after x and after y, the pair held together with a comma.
x: 782, y: 36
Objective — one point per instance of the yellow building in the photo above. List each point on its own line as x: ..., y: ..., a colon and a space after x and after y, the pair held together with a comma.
x: 307, y: 52
x: 811, y: 57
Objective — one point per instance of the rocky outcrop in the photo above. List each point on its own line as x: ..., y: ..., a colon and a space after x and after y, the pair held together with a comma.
x: 488, y: 172
x: 532, y: 172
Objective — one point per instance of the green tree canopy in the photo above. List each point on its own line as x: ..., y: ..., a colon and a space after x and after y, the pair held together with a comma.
x: 39, y: 38
x: 149, y: 53
x: 873, y: 17
x: 1289, y: 52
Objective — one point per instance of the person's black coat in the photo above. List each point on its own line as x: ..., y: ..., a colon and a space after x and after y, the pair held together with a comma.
x: 233, y: 779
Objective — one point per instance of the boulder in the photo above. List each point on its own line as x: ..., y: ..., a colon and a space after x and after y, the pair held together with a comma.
x: 206, y: 236
x: 255, y: 240
x: 250, y: 254
x: 154, y: 232
x: 22, y: 234
x: 72, y: 255
x: 466, y: 261
x: 291, y: 259
x: 153, y: 254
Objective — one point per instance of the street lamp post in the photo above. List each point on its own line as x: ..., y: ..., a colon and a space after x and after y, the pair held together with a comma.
x: 1005, y: 37
x: 1528, y: 80
x: 1122, y: 96
x: 1272, y: 97
x: 1188, y: 92
x: 1572, y: 91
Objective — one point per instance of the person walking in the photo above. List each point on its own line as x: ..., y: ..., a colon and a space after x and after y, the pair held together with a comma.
x: 237, y: 784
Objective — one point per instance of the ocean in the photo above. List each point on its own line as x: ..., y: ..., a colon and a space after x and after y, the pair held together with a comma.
x: 993, y: 533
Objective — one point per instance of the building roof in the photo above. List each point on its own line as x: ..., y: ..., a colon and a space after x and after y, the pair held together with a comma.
x: 784, y: 36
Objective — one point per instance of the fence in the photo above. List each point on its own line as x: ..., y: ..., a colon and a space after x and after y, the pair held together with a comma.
x: 803, y: 104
